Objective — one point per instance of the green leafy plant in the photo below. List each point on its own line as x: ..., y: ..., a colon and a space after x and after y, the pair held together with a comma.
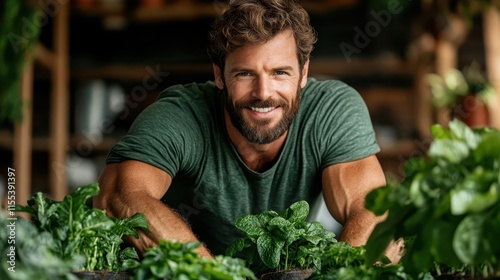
x: 29, y: 254
x: 455, y: 85
x: 447, y: 208
x: 281, y: 241
x: 342, y: 261
x: 15, y: 43
x: 176, y: 260
x: 78, y: 230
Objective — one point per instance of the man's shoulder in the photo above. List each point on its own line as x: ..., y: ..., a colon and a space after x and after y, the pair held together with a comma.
x: 315, y: 86
x: 328, y: 92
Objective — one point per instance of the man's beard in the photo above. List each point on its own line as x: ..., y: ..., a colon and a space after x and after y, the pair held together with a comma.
x: 258, y: 131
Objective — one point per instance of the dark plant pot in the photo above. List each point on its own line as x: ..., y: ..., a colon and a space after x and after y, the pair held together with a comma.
x: 102, y: 275
x: 471, y: 111
x: 288, y: 274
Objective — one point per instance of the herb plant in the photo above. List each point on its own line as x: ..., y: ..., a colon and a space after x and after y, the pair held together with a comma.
x: 175, y: 260
x: 447, y: 208
x: 30, y: 254
x: 78, y: 230
x: 340, y: 261
x: 281, y: 241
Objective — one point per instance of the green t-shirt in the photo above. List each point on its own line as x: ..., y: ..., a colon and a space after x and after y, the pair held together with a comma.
x: 184, y: 133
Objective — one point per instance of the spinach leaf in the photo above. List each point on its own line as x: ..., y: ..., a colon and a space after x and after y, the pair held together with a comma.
x: 175, y: 260
x: 30, y: 254
x: 447, y: 207
x: 79, y: 230
x: 280, y: 241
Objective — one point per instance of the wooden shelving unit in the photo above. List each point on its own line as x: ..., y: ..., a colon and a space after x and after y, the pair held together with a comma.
x: 56, y: 61
x: 22, y: 142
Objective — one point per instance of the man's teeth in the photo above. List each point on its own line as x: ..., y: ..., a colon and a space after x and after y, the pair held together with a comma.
x: 262, y: 110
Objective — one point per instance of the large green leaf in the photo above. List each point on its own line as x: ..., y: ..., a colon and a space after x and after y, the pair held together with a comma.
x: 452, y: 150
x: 269, y: 250
x: 298, y: 211
x: 250, y: 224
x: 464, y: 133
x: 128, y: 226
x: 470, y: 201
x: 489, y: 147
x: 469, y: 242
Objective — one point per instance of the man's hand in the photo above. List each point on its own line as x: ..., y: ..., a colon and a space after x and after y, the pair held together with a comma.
x: 395, y: 251
x: 133, y: 186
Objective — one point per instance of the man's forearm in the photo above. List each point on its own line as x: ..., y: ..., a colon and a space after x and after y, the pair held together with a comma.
x: 359, y: 228
x: 164, y: 223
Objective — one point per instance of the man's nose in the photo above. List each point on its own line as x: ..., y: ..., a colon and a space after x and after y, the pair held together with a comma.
x: 263, y: 88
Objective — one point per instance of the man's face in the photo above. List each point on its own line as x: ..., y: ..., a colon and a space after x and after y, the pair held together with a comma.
x: 263, y: 84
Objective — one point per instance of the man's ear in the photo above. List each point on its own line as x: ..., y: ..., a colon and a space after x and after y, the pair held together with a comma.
x: 218, y: 76
x: 305, y: 70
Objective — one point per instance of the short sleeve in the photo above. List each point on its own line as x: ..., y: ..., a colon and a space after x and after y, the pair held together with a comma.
x: 166, y: 135
x: 346, y: 129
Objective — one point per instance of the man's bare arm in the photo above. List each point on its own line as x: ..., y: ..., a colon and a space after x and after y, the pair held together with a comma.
x: 345, y: 187
x: 133, y: 186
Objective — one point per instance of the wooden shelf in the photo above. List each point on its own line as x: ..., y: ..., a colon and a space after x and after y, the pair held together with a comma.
x: 128, y: 72
x: 326, y: 66
x: 398, y: 148
x: 177, y: 11
x: 359, y: 67
x: 189, y: 11
x: 42, y: 143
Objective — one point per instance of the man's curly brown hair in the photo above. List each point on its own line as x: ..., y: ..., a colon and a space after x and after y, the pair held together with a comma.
x: 248, y: 22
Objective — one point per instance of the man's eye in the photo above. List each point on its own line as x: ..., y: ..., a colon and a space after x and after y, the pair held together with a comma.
x: 243, y: 74
x: 281, y: 73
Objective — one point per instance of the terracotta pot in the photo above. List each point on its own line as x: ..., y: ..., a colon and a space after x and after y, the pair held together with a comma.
x: 471, y: 111
x: 293, y: 274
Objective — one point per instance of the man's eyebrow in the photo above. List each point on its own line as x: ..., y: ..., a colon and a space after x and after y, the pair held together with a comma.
x: 284, y: 67
x: 278, y: 68
x: 240, y: 69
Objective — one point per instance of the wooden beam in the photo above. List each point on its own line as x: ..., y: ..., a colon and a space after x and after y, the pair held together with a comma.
x: 44, y: 56
x: 22, y: 136
x: 59, y: 119
x: 491, y: 29
x: 446, y: 59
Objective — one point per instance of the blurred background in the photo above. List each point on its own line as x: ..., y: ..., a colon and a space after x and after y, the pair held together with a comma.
x: 75, y: 74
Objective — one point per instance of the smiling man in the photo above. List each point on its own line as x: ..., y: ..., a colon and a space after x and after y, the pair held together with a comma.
x: 260, y: 137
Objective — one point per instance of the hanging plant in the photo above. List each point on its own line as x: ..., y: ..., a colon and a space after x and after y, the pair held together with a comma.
x: 19, y: 30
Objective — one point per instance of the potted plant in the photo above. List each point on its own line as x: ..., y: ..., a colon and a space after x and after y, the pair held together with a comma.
x: 175, y: 260
x: 447, y: 208
x: 282, y: 244
x: 27, y: 253
x: 285, y: 246
x: 465, y: 94
x: 79, y: 231
x: 339, y: 260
